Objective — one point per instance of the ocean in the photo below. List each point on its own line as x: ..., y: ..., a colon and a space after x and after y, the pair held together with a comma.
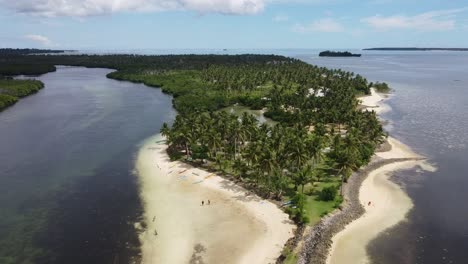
x: 429, y: 112
x: 68, y: 193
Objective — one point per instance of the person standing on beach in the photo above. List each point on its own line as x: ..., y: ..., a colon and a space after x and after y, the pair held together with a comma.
x: 209, y: 202
x: 202, y: 203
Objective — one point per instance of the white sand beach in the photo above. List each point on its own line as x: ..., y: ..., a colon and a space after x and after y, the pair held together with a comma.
x: 236, y: 227
x: 386, y: 204
x: 389, y: 205
x: 375, y: 102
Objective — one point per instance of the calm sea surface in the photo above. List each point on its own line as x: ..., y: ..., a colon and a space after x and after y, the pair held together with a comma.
x: 430, y: 114
x: 68, y: 195
x: 67, y: 191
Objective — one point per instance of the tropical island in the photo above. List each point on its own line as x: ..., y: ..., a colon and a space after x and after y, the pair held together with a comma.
x: 301, y: 163
x: 338, y: 54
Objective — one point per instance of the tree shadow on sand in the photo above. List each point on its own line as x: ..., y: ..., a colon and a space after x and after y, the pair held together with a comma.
x: 241, y: 193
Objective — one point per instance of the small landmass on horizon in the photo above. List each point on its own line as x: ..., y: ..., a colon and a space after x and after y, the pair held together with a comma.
x: 328, y: 53
x: 417, y: 49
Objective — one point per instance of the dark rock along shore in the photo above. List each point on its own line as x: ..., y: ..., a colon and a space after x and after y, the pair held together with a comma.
x: 318, y: 241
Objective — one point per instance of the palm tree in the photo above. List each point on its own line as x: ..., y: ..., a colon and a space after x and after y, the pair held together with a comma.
x: 239, y: 166
x: 345, y: 164
x: 236, y: 134
x: 279, y: 182
x: 214, y: 142
x: 165, y: 130
x: 268, y: 163
x: 303, y: 177
x: 297, y: 153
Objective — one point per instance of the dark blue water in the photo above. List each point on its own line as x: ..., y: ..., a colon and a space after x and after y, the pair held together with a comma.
x: 67, y: 190
x: 430, y: 114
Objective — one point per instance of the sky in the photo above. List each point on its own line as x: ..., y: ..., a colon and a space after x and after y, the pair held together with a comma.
x: 232, y: 24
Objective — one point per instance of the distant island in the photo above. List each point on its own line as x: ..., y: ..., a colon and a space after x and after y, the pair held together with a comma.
x: 338, y: 54
x: 419, y: 49
x: 9, y: 51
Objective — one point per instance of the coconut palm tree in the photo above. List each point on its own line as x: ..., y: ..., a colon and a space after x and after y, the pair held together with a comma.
x: 303, y: 177
x: 345, y: 163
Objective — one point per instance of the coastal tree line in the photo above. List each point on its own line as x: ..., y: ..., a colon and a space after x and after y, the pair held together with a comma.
x: 321, y: 134
x: 12, y: 90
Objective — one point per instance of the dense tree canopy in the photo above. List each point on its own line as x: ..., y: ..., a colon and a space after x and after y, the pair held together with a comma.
x: 321, y: 134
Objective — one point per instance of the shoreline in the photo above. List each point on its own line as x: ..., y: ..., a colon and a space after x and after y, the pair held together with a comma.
x: 344, y: 234
x: 237, y: 227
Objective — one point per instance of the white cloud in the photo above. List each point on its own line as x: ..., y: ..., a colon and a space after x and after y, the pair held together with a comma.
x: 441, y: 20
x: 44, y: 41
x: 321, y: 25
x: 281, y: 18
x: 82, y: 8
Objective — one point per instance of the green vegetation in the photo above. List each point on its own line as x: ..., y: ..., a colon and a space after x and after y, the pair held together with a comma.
x: 290, y: 256
x: 11, y: 90
x: 252, y: 84
x: 132, y: 63
x: 380, y: 87
x: 25, y: 69
x: 328, y: 193
x: 321, y: 137
x: 338, y: 54
x: 7, y: 100
x: 28, y: 51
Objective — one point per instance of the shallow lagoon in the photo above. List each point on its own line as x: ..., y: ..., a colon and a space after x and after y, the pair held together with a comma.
x: 67, y: 189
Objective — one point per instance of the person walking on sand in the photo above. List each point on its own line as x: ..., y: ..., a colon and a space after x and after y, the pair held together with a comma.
x: 369, y: 203
x: 202, y: 203
x: 209, y: 202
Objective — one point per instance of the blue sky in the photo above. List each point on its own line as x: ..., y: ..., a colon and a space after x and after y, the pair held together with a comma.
x: 251, y: 24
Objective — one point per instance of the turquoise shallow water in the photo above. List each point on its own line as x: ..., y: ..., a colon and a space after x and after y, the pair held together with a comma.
x: 67, y: 191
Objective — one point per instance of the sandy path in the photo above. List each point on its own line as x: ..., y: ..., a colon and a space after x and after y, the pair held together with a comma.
x: 235, y: 228
x: 374, y: 102
x: 389, y: 204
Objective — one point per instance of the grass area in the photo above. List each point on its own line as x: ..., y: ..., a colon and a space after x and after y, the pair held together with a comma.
x: 314, y: 207
x: 291, y: 258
